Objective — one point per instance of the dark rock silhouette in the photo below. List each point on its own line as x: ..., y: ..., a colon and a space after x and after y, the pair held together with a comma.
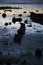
x: 8, y: 7
x: 35, y: 17
x: 38, y: 53
x: 8, y: 10
x: 10, y: 23
x: 24, y: 12
x: 37, y: 10
x: 4, y: 15
x: 16, y: 19
x: 30, y: 25
x: 26, y: 22
x: 6, y: 24
x: 20, y: 15
x: 21, y: 32
x: 13, y: 20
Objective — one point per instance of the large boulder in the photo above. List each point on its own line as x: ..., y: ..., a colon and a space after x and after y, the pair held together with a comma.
x: 36, y: 17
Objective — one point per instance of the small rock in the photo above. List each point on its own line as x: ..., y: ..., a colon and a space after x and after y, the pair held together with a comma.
x: 9, y: 23
x: 26, y: 21
x: 24, y: 12
x: 20, y: 15
x: 6, y: 24
x: 37, y: 10
x: 4, y: 15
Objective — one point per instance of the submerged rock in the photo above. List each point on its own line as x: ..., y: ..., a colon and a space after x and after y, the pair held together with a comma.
x: 38, y: 53
x: 4, y: 15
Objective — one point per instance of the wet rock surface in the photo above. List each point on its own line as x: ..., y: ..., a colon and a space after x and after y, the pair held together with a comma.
x: 38, y: 18
x: 16, y: 19
x: 4, y: 15
x: 21, y: 32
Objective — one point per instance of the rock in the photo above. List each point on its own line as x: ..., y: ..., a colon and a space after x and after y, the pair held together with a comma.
x: 36, y: 17
x: 21, y: 31
x: 37, y: 10
x: 6, y: 24
x: 38, y: 53
x: 10, y: 23
x: 24, y: 12
x: 20, y: 15
x: 19, y: 19
x: 16, y: 19
x: 26, y: 21
x: 4, y: 15
x: 8, y: 10
x: 30, y: 25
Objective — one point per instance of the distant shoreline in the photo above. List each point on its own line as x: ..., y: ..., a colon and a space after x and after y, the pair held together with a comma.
x: 22, y: 3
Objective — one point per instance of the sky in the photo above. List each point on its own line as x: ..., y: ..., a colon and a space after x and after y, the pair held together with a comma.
x: 21, y: 1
